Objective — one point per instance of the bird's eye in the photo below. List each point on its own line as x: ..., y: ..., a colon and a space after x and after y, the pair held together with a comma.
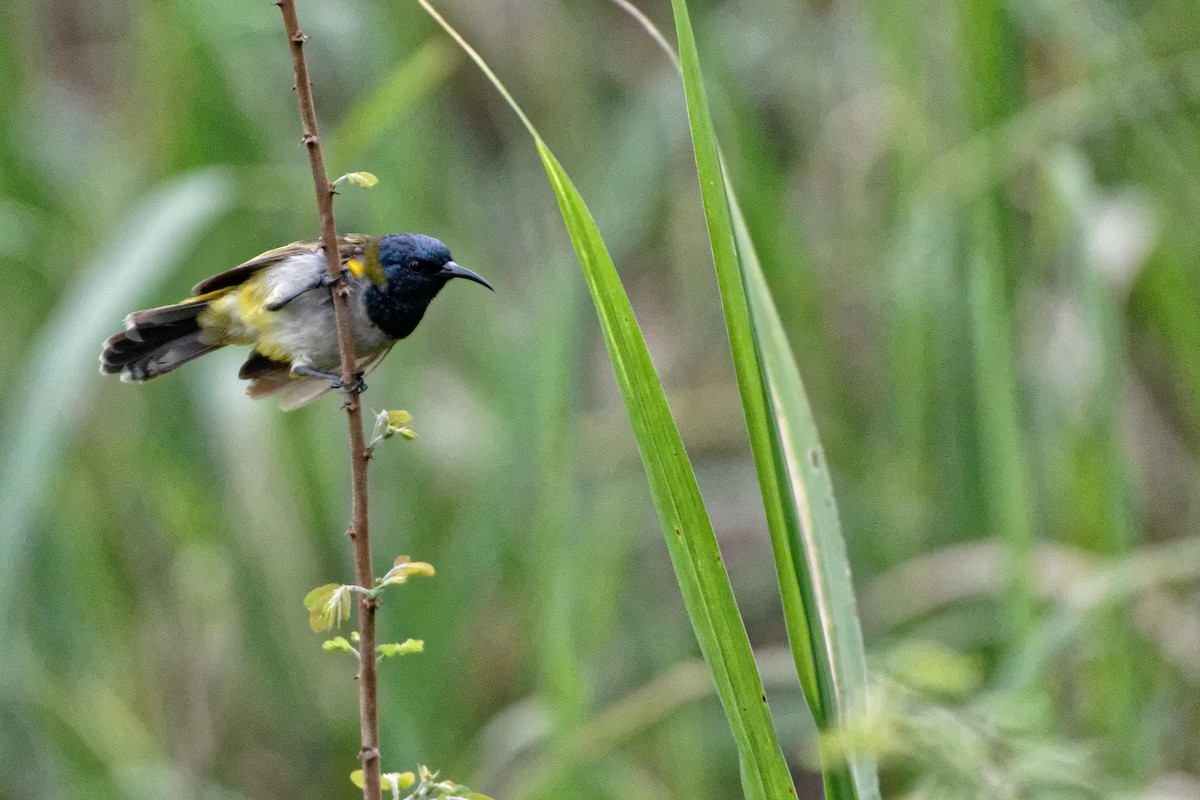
x: 422, y: 267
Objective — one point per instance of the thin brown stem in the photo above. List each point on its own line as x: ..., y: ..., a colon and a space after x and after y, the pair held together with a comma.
x: 368, y: 706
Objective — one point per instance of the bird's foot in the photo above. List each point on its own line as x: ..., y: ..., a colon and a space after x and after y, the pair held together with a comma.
x: 328, y: 280
x: 357, y: 386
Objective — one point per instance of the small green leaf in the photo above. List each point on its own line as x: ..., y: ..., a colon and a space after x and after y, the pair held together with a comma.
x: 319, y: 595
x: 327, y: 606
x: 397, y: 780
x: 364, y: 179
x: 404, y: 569
x: 392, y: 423
x: 401, y: 648
x: 338, y: 644
x: 387, y: 780
x: 399, y: 417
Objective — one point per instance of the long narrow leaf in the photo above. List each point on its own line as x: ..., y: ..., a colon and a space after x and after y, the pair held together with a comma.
x: 816, y: 546
x: 691, y: 542
x: 810, y: 557
x: 135, y: 261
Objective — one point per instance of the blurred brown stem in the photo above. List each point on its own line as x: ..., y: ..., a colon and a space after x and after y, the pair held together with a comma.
x: 368, y: 707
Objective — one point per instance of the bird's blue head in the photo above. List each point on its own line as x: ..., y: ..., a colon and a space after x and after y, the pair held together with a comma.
x: 417, y: 267
x: 419, y: 253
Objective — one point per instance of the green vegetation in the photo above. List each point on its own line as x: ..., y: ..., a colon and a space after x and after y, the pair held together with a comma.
x: 973, y: 225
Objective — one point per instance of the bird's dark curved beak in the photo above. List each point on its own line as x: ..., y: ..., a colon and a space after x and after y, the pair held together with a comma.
x: 455, y: 271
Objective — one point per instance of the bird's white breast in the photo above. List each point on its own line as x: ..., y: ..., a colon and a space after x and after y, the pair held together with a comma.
x: 305, y: 326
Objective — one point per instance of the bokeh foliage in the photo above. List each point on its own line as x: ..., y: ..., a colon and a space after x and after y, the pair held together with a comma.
x: 979, y: 221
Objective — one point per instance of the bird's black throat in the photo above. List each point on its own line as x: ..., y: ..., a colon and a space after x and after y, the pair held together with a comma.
x: 398, y: 306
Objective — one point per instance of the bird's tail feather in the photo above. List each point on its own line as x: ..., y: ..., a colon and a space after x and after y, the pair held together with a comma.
x: 156, y: 341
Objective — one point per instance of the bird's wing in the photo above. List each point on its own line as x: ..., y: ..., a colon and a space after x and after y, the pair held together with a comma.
x: 350, y: 245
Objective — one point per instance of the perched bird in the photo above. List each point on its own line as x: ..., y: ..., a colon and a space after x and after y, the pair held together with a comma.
x: 280, y: 303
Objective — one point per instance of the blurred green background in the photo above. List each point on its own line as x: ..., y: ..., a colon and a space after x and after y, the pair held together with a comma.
x: 981, y: 221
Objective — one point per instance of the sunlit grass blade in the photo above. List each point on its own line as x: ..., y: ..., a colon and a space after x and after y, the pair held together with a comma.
x: 691, y: 542
x: 810, y: 556
x: 135, y: 262
x: 383, y: 108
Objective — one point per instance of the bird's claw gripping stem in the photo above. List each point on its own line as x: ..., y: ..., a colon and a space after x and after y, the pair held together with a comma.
x: 328, y: 280
x: 357, y: 386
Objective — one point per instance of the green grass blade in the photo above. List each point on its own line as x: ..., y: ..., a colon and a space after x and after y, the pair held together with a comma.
x: 746, y: 362
x: 689, y: 534
x: 63, y: 367
x: 1008, y: 500
x: 815, y: 544
x: 372, y: 117
x: 810, y: 555
x: 991, y: 44
x: 691, y: 542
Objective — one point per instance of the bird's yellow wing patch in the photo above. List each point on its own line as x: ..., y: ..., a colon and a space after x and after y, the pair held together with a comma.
x: 240, y: 316
x: 252, y: 299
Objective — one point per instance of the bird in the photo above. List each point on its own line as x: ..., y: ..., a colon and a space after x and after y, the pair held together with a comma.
x: 280, y: 303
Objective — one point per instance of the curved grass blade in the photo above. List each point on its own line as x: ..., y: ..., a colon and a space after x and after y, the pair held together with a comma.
x: 691, y: 542
x: 810, y: 555
x: 134, y: 262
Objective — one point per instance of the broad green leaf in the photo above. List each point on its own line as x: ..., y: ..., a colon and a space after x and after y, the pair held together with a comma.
x: 691, y: 542
x: 810, y: 557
